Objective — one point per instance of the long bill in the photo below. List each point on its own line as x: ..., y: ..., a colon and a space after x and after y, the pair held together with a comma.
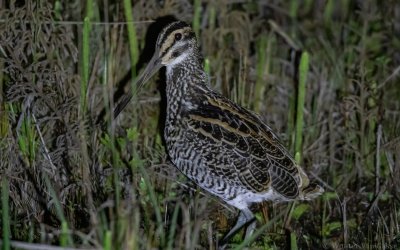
x: 152, y: 67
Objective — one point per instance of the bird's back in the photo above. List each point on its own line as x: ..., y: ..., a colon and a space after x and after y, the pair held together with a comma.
x: 225, y: 148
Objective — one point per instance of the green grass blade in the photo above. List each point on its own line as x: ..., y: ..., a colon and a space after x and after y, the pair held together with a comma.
x: 107, y: 240
x: 293, y: 241
x: 212, y: 17
x: 5, y: 213
x: 85, y: 64
x: 303, y: 71
x: 133, y: 42
x: 261, y: 63
x: 328, y: 12
x: 133, y: 49
x: 207, y: 66
x: 89, y: 9
x: 171, y: 234
x: 196, y: 17
x: 294, y: 6
x: 64, y: 234
x: 27, y: 140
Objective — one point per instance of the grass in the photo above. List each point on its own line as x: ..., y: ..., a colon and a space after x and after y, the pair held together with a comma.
x: 303, y: 71
x: 197, y: 17
x: 336, y: 105
x: 262, y: 70
x: 5, y: 214
x: 85, y: 65
x: 133, y: 42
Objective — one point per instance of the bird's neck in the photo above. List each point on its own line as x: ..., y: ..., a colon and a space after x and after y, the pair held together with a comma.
x: 184, y: 76
x: 182, y: 85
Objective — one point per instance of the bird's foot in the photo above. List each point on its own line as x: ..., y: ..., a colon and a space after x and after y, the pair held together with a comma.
x: 245, y: 218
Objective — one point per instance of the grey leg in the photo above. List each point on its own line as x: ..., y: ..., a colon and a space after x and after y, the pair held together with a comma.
x: 245, y: 217
x: 250, y: 228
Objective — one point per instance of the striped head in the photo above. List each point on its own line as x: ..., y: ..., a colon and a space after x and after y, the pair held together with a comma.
x: 175, y: 44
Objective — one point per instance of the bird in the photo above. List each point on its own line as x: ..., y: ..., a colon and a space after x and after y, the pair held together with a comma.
x: 222, y: 147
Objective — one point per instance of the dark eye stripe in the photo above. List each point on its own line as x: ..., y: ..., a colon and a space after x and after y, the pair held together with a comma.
x: 175, y: 54
x: 186, y: 37
x: 179, y: 51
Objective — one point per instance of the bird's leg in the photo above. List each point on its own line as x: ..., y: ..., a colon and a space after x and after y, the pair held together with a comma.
x: 245, y: 217
x: 250, y: 228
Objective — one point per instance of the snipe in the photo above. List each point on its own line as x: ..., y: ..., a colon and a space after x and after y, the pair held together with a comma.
x: 222, y: 147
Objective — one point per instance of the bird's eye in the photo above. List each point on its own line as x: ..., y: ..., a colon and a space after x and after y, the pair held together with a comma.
x: 178, y: 36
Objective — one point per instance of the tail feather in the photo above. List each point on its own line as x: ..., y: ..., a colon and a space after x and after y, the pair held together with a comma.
x: 308, y: 190
x: 312, y: 191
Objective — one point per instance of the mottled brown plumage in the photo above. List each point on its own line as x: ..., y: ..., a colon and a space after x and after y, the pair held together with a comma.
x: 224, y: 148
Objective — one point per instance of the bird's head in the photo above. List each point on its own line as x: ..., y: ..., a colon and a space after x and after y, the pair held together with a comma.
x: 175, y: 44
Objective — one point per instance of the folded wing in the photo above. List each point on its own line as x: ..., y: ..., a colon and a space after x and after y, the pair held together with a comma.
x: 253, y: 153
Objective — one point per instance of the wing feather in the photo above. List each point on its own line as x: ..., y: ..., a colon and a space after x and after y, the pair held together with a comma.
x: 260, y: 160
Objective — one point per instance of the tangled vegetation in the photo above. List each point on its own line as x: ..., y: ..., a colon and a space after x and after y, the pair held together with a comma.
x: 65, y: 181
